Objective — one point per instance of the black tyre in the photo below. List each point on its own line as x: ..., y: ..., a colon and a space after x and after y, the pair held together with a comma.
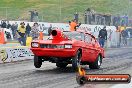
x: 81, y: 80
x: 61, y: 65
x: 96, y: 64
x: 76, y: 60
x: 37, y: 61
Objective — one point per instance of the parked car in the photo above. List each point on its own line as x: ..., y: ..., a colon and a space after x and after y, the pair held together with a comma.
x: 63, y: 48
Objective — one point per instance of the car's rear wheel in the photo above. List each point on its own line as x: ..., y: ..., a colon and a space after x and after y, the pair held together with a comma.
x: 61, y: 65
x: 37, y: 61
x: 96, y: 64
x: 76, y: 60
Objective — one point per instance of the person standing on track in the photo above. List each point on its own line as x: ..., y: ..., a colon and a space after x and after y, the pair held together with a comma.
x: 102, y: 36
x: 21, y: 31
x: 73, y: 25
x: 35, y: 31
x: 28, y: 29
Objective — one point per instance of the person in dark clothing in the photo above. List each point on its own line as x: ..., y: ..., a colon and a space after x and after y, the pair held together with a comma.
x: 49, y: 30
x: 107, y: 19
x: 8, y: 25
x: 85, y: 18
x: 28, y: 29
x: 3, y: 24
x: 118, y: 20
x: 76, y: 16
x: 35, y: 16
x: 89, y: 15
x: 32, y: 15
x: 124, y: 35
x: 13, y: 28
x: 98, y: 19
x: 102, y: 36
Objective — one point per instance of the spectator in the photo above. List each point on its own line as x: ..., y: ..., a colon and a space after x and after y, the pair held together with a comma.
x: 8, y: 25
x: 32, y: 16
x: 28, y: 29
x: 124, y: 35
x: 18, y: 37
x: 102, y: 36
x: 102, y: 19
x: 36, y: 16
x: 35, y: 31
x: 3, y: 24
x: 126, y: 19
x: 13, y: 28
x: 123, y: 21
x: 89, y: 14
x: 107, y: 19
x: 85, y: 18
x: 8, y: 35
x: 49, y: 30
x: 99, y: 18
x: 76, y: 15
x: 21, y: 31
x: 16, y: 25
x: 118, y: 20
x: 114, y: 20
x: 93, y: 15
x: 73, y: 25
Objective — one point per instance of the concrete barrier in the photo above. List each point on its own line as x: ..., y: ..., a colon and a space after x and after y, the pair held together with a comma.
x: 11, y: 54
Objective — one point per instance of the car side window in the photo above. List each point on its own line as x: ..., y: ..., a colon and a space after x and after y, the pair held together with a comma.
x: 87, y: 38
x: 82, y: 35
x: 92, y: 40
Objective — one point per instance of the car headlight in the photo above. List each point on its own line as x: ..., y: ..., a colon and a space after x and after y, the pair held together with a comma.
x: 35, y: 44
x: 68, y: 46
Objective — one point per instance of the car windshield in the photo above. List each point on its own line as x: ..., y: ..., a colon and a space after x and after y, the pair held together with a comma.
x: 74, y: 35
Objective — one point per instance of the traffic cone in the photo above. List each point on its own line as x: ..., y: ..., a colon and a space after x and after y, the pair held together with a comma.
x: 41, y: 36
x: 2, y: 38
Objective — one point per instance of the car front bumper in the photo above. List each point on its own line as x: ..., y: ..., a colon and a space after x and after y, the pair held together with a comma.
x: 54, y: 52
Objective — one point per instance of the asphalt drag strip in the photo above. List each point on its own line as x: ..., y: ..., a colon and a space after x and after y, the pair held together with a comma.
x: 24, y: 75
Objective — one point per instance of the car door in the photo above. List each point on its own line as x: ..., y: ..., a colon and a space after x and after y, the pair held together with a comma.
x: 84, y: 50
x: 88, y: 47
x: 96, y: 47
x: 93, y: 49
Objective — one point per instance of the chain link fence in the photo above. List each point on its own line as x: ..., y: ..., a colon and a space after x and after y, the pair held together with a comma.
x: 59, y: 15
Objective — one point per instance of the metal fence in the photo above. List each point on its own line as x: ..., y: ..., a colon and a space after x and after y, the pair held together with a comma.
x: 9, y: 13
x: 61, y: 14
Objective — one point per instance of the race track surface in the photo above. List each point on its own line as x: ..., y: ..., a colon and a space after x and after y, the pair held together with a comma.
x: 24, y: 75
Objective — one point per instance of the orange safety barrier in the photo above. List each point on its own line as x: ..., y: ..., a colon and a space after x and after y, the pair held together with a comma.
x: 41, y: 36
x: 2, y: 38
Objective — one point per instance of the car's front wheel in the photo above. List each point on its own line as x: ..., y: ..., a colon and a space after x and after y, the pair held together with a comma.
x: 61, y: 65
x: 96, y: 64
x: 76, y: 60
x: 37, y: 61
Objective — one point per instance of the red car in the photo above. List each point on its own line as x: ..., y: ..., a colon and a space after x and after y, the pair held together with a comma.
x: 63, y: 48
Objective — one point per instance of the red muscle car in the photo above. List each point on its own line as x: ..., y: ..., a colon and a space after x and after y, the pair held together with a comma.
x: 63, y: 48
